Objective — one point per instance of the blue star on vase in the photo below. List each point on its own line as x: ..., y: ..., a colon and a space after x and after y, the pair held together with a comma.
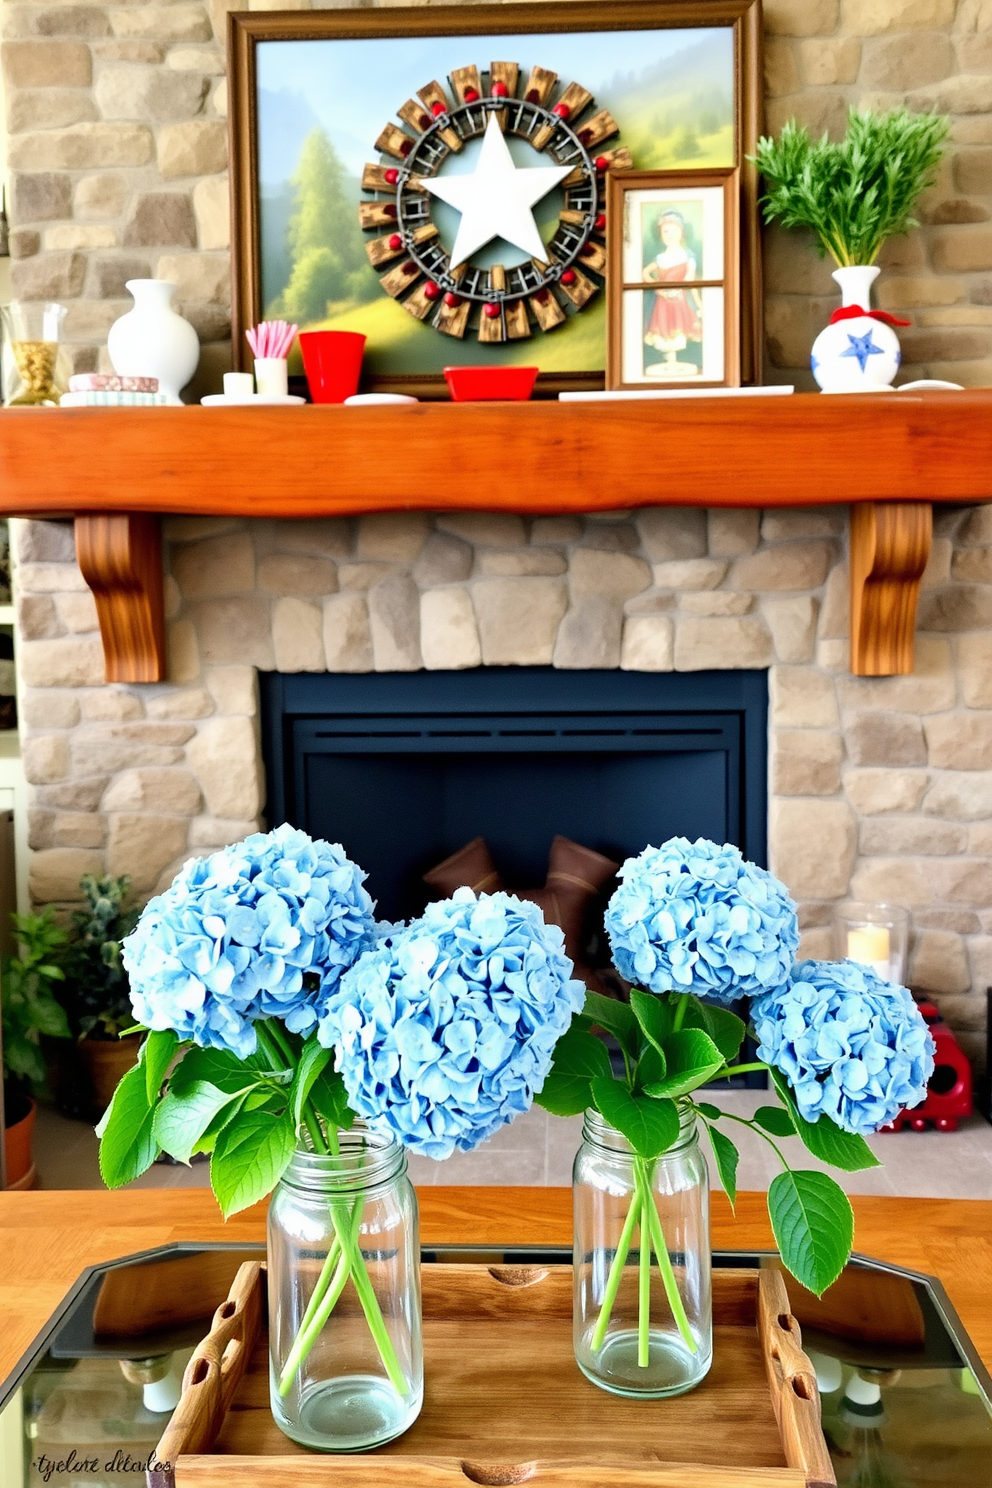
x: 862, y: 347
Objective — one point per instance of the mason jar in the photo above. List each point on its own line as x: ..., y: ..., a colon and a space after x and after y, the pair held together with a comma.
x: 643, y: 1323
x: 345, y: 1352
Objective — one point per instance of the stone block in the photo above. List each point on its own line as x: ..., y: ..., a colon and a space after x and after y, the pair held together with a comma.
x: 792, y: 622
x: 392, y: 537
x: 214, y: 567
x: 234, y: 630
x: 45, y: 758
x: 72, y: 661
x: 959, y: 607
x: 975, y: 669
x: 801, y: 17
x: 672, y: 532
x: 875, y: 792
x: 48, y: 709
x: 782, y: 524
x: 199, y: 277
x: 690, y: 573
x: 50, y: 578
x: 449, y: 635
x: 938, y: 569
x: 826, y: 62
x: 72, y: 236
x: 519, y: 619
x: 961, y: 250
x: 72, y: 20
x: 54, y: 875
x: 654, y: 602
x: 722, y: 644
x: 962, y: 881
x: 82, y: 147
x: 648, y: 644
x: 878, y: 737
x: 820, y: 109
x: 485, y: 529
x: 212, y: 323
x: 192, y: 529
x: 980, y: 961
x: 962, y: 796
x: 234, y: 689
x: 224, y: 757
x: 282, y: 573
x: 781, y: 73
x: 805, y: 762
x: 174, y: 791
x: 711, y: 602
x: 49, y: 276
x: 976, y: 529
x: 37, y: 618
x: 46, y: 64
x: 394, y: 619
x: 967, y: 93
x: 790, y: 328
x: 610, y: 537
x: 162, y: 23
x: 110, y: 704
x: 812, y: 845
x: 980, y: 839
x: 938, y: 962
x: 796, y: 565
x: 90, y: 320
x: 195, y: 148
x: 208, y: 833
x: 444, y: 560
x: 109, y: 276
x: 185, y: 703
x: 49, y: 108
x: 907, y: 61
x: 973, y: 170
x: 972, y: 565
x: 875, y: 17
x: 78, y: 829
x: 550, y: 530
x: 617, y: 576
x: 212, y: 208
x: 160, y: 218
x: 589, y: 634
x: 886, y: 836
x: 141, y: 846
x: 347, y: 634
x: 732, y: 533
x: 324, y: 538
x: 930, y: 689
x: 893, y: 881
x: 78, y: 612
x: 816, y: 943
x: 801, y: 698
x: 960, y: 741
x: 518, y: 562
x: 24, y: 242
x: 905, y: 294
x: 73, y: 795
x: 362, y: 575
x: 296, y: 635
x: 40, y: 196
x: 219, y: 99
x: 207, y: 59
x: 128, y: 51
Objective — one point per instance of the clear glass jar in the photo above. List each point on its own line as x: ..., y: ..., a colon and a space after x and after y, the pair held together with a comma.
x: 35, y: 370
x: 643, y: 1322
x: 345, y: 1354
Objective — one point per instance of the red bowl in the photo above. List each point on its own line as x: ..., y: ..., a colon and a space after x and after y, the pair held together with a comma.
x: 481, y: 384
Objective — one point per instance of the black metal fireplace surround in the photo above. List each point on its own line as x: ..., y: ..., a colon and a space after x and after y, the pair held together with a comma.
x: 405, y: 768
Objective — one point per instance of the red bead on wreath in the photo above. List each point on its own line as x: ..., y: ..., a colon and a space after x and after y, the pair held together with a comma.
x: 490, y: 311
x: 432, y: 291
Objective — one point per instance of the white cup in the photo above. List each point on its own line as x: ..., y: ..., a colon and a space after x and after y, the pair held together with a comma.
x: 272, y: 377
x: 239, y: 386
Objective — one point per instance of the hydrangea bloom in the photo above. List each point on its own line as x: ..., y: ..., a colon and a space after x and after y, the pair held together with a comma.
x: 850, y: 1044
x: 695, y: 917
x: 235, y: 935
x: 446, y: 1030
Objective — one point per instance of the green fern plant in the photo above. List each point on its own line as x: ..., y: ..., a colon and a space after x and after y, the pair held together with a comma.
x: 859, y: 192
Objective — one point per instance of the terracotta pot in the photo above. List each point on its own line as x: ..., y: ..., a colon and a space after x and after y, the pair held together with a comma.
x: 106, y: 1061
x: 20, y: 1111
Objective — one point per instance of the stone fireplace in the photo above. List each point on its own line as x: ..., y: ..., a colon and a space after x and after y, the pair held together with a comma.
x: 877, y: 787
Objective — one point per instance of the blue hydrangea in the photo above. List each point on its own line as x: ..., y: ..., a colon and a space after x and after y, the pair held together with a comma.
x: 261, y: 929
x: 446, y: 1030
x: 695, y: 917
x: 851, y: 1045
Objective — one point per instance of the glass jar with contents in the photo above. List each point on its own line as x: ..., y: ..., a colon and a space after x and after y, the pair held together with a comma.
x: 35, y: 368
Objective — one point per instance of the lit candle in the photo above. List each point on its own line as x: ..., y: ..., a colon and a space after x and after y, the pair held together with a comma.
x: 869, y: 944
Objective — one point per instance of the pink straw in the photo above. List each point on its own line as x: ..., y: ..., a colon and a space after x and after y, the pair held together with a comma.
x: 271, y: 340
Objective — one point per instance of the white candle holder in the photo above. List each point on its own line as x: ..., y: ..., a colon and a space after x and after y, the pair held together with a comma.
x: 875, y: 935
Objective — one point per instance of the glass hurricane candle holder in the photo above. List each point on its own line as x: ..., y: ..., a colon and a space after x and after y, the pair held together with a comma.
x: 35, y: 371
x: 875, y: 935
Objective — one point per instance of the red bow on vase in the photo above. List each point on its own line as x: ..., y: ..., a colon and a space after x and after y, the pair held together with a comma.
x: 850, y: 312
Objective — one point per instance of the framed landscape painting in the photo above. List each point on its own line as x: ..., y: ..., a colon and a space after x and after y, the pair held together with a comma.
x: 436, y: 177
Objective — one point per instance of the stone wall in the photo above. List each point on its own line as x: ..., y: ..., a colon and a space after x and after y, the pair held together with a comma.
x: 117, y: 151
x: 881, y: 787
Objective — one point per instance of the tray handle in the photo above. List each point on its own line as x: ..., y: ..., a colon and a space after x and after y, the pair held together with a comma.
x: 212, y: 1375
x: 792, y: 1381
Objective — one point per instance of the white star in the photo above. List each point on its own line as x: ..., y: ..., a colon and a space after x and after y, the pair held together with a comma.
x: 496, y: 200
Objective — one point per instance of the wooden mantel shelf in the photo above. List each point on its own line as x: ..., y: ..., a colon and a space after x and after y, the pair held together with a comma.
x: 117, y: 470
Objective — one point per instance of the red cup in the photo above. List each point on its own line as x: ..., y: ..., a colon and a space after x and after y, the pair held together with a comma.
x: 332, y: 361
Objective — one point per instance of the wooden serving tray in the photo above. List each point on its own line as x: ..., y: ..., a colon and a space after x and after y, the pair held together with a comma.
x: 505, y: 1402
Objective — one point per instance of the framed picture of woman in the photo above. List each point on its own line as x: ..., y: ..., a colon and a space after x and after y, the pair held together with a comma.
x: 673, y: 279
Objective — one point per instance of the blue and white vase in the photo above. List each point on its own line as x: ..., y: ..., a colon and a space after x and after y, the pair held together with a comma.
x: 858, y: 352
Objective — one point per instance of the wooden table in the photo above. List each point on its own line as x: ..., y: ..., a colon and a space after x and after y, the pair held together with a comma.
x: 46, y: 1239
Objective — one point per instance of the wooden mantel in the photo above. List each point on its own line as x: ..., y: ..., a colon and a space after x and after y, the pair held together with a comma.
x: 117, y: 470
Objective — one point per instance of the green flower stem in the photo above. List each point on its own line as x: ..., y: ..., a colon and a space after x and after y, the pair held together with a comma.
x: 644, y: 1291
x: 664, y: 1259
x: 307, y: 1336
x: 322, y: 1283
x: 681, y: 1007
x: 738, y: 1069
x: 616, y: 1272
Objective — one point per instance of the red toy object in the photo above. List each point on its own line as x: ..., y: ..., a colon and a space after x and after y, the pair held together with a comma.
x: 488, y: 384
x: 949, y: 1091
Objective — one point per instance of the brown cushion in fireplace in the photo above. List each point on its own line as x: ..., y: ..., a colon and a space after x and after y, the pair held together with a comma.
x: 575, y: 875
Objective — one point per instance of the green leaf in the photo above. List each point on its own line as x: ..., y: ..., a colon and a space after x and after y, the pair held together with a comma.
x: 813, y: 1225
x: 712, y: 1113
x: 578, y: 1057
x: 224, y: 1117
x: 48, y: 1017
x: 330, y: 1100
x: 181, y: 1120
x: 724, y: 1028
x: 727, y: 1158
x: 157, y: 1053
x: 654, y: 1016
x: 650, y: 1126
x: 824, y: 1138
x: 564, y: 1095
x: 651, y: 1068
x: 216, y: 1067
x: 249, y: 1158
x: 775, y: 1119
x: 693, y: 1058
x: 616, y: 1017
x: 127, y: 1144
x: 313, y: 1059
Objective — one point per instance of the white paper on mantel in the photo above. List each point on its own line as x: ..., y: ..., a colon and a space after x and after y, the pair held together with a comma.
x: 608, y: 396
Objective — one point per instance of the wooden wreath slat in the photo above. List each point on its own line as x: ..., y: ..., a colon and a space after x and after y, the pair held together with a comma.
x: 394, y: 141
x: 507, y: 73
x: 374, y: 179
x: 601, y: 126
x: 376, y: 214
x: 517, y: 321
x: 540, y: 85
x: 452, y: 320
x: 380, y: 251
x: 593, y: 256
x: 546, y: 310
x: 581, y: 290
x: 575, y: 98
x: 418, y: 304
x: 403, y: 277
x: 464, y: 79
x: 491, y: 330
x: 416, y: 115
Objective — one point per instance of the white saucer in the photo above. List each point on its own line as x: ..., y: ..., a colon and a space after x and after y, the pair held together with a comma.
x: 221, y: 400
x: 370, y: 400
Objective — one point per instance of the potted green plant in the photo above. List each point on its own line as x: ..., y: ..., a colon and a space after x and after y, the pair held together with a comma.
x: 30, y: 1010
x: 853, y: 195
x: 95, y: 992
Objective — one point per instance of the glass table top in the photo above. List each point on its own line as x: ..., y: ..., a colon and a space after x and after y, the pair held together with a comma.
x: 906, y: 1402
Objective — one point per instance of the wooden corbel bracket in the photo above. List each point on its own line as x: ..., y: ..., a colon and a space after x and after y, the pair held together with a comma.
x: 120, y: 557
x: 890, y: 547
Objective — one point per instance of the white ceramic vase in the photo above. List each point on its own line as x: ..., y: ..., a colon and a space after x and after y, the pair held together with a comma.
x: 857, y: 354
x: 153, y: 340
